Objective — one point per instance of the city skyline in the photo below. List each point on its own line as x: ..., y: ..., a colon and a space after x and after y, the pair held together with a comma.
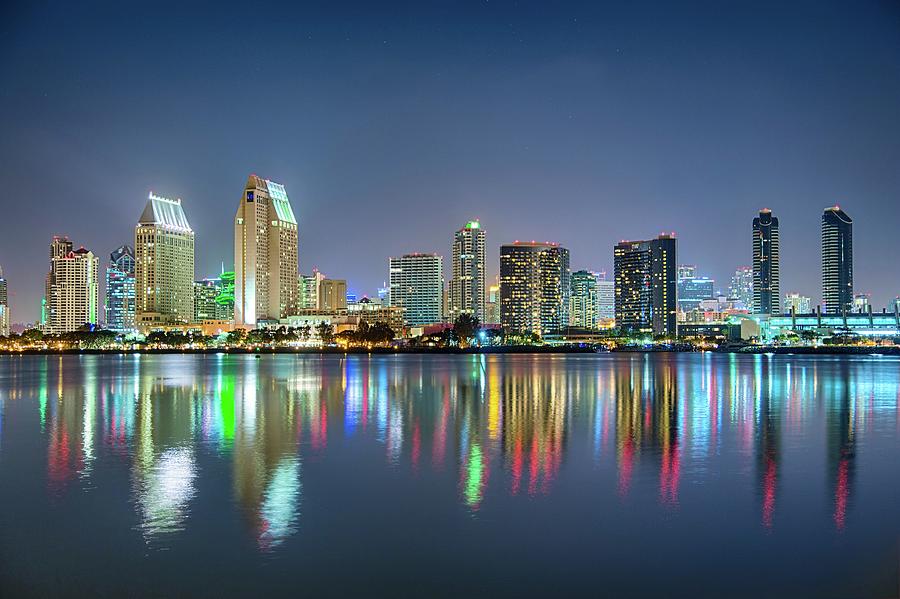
x: 625, y: 120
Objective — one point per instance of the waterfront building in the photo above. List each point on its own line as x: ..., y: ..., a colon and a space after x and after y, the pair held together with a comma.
x: 332, y: 294
x: 417, y: 286
x: 466, y: 286
x: 164, y: 265
x: 766, y: 263
x: 741, y: 287
x: 492, y: 305
x: 534, y: 288
x: 308, y: 290
x: 837, y: 261
x: 120, y: 290
x: 73, y: 288
x: 794, y: 303
x: 878, y: 325
x: 646, y: 288
x: 372, y: 312
x: 606, y: 301
x: 861, y: 303
x: 266, y: 246
x: 4, y: 306
x: 213, y: 299
x: 693, y: 289
x: 584, y: 300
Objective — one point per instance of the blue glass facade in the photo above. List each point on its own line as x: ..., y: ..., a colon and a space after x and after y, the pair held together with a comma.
x: 120, y: 291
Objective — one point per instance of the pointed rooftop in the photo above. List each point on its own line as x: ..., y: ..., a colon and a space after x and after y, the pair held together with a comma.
x: 165, y: 213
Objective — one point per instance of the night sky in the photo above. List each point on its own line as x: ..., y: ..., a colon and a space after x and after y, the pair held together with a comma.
x: 391, y: 126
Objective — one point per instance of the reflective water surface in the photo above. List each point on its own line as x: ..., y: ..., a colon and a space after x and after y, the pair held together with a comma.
x: 619, y: 475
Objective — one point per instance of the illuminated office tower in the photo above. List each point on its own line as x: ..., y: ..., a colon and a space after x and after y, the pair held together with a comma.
x: 60, y: 246
x: 837, y: 261
x: 466, y: 287
x: 73, y: 285
x: 693, y: 289
x: 417, y: 286
x: 214, y: 298
x: 492, y: 305
x: 534, y: 287
x: 742, y: 286
x: 794, y: 303
x: 4, y: 306
x: 646, y: 286
x: 584, y: 300
x: 265, y: 254
x: 163, y: 265
x: 120, y: 292
x: 766, y: 264
x: 862, y: 303
x: 308, y: 290
x: 606, y: 299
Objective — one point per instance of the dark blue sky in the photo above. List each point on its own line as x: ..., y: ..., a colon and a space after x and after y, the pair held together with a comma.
x: 393, y: 124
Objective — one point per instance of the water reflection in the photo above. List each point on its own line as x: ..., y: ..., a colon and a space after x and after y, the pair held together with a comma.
x: 496, y: 426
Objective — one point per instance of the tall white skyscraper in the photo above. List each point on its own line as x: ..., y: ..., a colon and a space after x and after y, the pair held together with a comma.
x: 417, y: 286
x: 466, y: 293
x: 265, y: 254
x: 164, y: 265
x: 606, y: 298
x: 73, y: 297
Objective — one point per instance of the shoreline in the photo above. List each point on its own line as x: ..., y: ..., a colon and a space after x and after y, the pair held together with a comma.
x: 751, y: 350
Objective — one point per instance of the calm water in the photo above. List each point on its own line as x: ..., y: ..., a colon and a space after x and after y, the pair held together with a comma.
x: 620, y: 475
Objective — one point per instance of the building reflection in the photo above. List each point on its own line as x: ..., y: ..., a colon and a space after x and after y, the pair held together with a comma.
x: 486, y: 424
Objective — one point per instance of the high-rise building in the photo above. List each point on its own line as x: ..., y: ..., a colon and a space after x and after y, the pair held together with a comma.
x: 417, y: 286
x: 265, y: 254
x: 646, y: 286
x: 4, y: 306
x: 796, y: 304
x: 120, y: 292
x: 60, y: 246
x: 466, y: 287
x: 534, y: 287
x: 492, y: 305
x: 164, y: 265
x: 332, y: 294
x: 741, y: 287
x: 583, y: 300
x: 308, y: 290
x: 861, y: 303
x: 73, y: 285
x: 693, y: 289
x: 766, y: 264
x: 212, y: 298
x: 837, y: 261
x: 606, y: 299
x: 686, y: 271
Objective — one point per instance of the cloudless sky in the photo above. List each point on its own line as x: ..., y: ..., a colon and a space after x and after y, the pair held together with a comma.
x: 391, y: 124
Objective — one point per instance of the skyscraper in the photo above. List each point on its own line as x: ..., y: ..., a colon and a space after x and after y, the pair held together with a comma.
x: 265, y: 254
x: 60, y: 246
x: 766, y: 264
x: 583, y: 300
x: 742, y: 286
x: 534, y: 287
x: 213, y: 298
x: 796, y: 304
x: 646, y: 286
x: 466, y: 293
x: 692, y: 289
x: 492, y: 305
x: 837, y: 261
x: 164, y: 265
x: 417, y: 286
x: 606, y: 298
x: 73, y: 288
x: 120, y: 291
x: 4, y: 306
x: 308, y: 290
x: 332, y: 294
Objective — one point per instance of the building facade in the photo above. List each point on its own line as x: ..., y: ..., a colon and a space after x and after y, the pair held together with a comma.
x: 266, y: 246
x: 646, y: 286
x: 584, y: 308
x: 741, y: 287
x: 74, y: 288
x: 534, y: 288
x: 794, y: 303
x: 766, y: 263
x: 466, y: 288
x: 332, y: 294
x: 693, y: 289
x: 492, y: 305
x: 606, y: 300
x: 417, y: 286
x: 163, y: 265
x: 837, y: 261
x: 120, y: 290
